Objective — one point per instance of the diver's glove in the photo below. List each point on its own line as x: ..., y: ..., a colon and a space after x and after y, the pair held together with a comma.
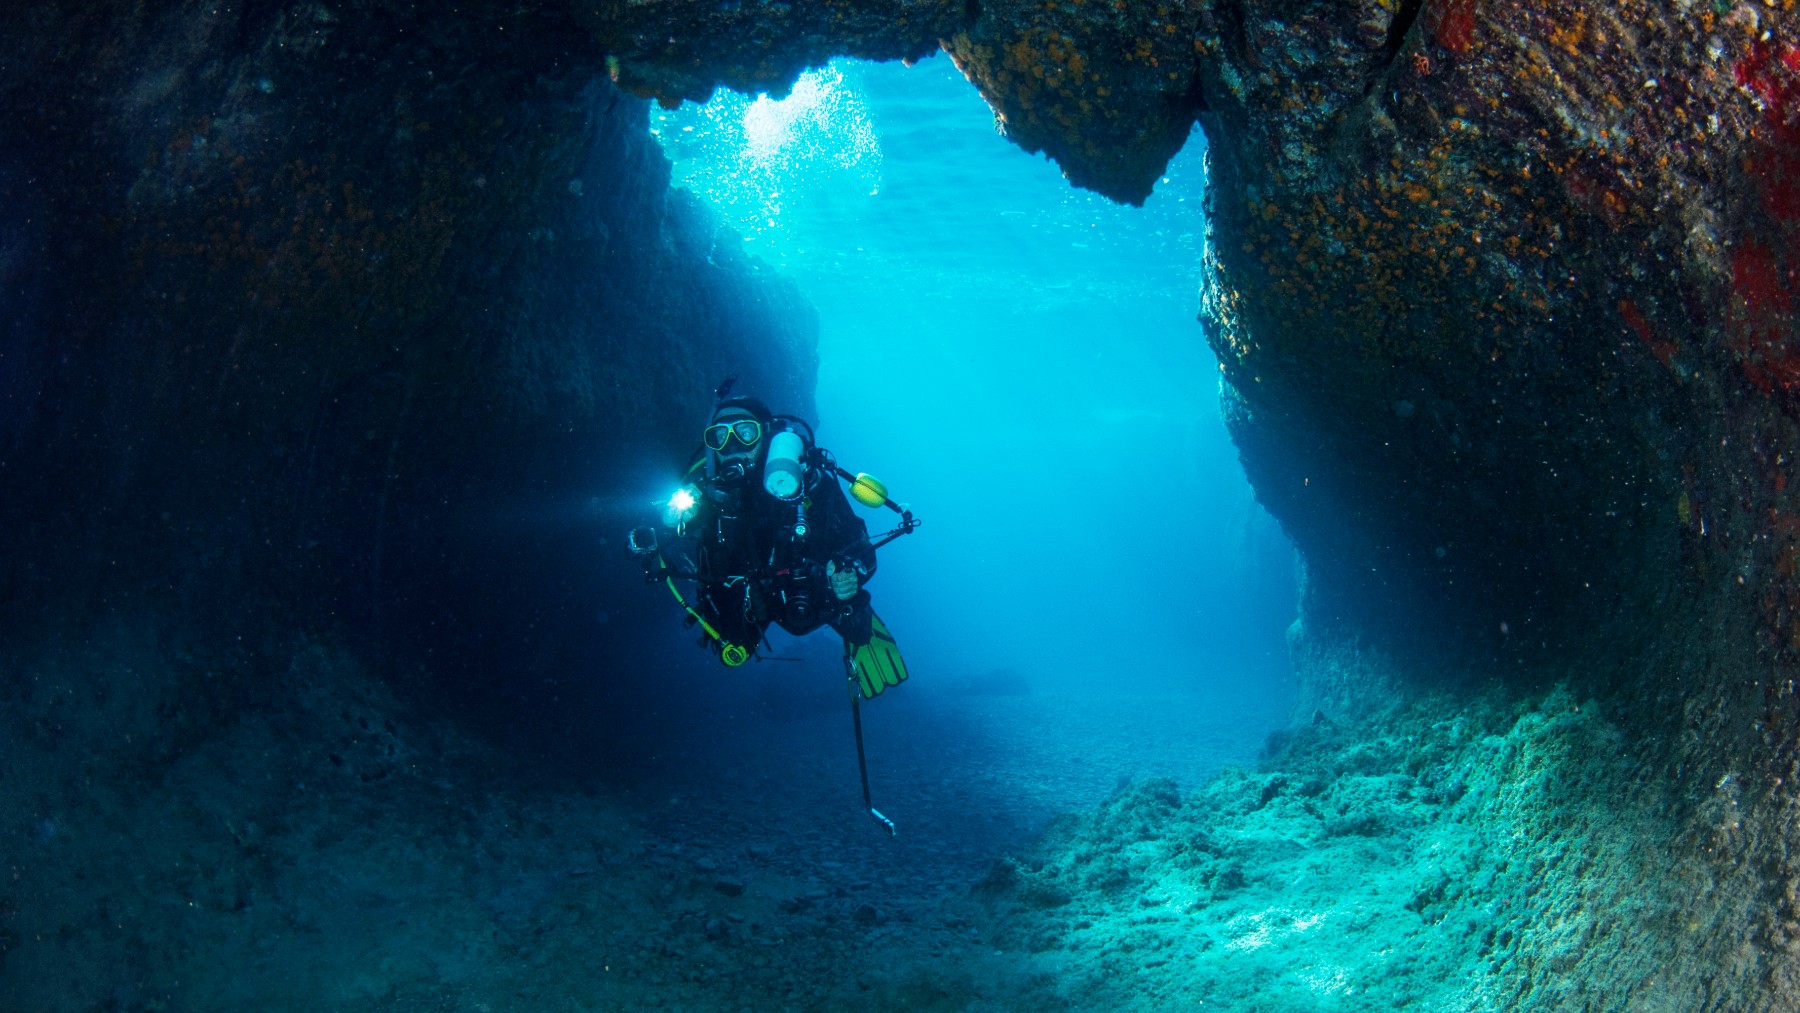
x: 843, y: 582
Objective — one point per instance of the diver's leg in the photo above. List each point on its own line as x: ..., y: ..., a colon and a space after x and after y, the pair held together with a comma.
x: 873, y: 659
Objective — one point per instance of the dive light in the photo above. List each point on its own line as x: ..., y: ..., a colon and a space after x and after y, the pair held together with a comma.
x: 681, y: 506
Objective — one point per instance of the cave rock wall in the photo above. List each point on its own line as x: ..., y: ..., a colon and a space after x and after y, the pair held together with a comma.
x: 349, y: 317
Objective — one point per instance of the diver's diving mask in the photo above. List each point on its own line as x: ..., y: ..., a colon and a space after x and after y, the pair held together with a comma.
x: 749, y: 432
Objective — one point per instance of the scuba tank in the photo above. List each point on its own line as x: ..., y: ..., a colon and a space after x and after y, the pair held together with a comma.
x: 784, y: 465
x: 804, y: 602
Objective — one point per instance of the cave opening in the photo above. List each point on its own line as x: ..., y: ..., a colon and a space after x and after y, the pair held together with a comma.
x: 1019, y: 360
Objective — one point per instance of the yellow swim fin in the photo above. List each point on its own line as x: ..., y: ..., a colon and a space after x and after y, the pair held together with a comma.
x: 877, y: 664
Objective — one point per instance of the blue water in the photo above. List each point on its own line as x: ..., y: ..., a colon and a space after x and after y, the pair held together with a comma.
x: 1020, y: 361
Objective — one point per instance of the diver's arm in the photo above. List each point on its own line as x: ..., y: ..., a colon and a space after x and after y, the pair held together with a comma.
x: 845, y: 533
x: 859, y: 556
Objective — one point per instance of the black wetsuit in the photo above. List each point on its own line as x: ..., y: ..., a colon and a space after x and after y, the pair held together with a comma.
x: 759, y: 560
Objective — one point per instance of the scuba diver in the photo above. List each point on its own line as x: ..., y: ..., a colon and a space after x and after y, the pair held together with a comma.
x: 763, y: 528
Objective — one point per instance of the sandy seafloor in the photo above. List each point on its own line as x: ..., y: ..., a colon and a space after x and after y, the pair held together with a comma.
x: 316, y: 855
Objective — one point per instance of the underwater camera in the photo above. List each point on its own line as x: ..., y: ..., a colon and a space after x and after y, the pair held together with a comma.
x: 641, y: 541
x: 805, y: 602
x: 796, y: 607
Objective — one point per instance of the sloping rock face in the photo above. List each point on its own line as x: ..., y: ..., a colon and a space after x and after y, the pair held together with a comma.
x: 366, y: 321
